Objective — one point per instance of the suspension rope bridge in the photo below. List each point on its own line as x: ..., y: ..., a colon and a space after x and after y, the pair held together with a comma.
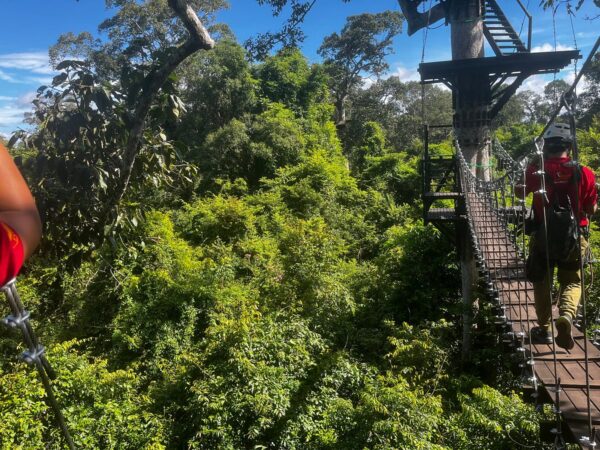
x: 485, y: 196
x: 568, y: 378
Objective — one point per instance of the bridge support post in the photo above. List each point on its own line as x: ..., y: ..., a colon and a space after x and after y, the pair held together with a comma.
x: 468, y: 272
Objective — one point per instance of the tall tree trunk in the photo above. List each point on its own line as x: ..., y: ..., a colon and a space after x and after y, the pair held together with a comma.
x: 340, y: 110
x: 472, y: 94
x: 471, y: 98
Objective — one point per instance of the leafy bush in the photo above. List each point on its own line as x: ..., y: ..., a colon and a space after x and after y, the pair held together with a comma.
x: 104, y: 409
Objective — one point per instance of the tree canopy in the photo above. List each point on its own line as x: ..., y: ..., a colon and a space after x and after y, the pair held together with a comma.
x: 265, y: 280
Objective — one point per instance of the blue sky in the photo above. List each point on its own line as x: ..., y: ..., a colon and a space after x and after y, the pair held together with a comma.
x: 29, y: 27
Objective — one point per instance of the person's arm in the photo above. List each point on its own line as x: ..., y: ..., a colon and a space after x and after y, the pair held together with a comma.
x: 17, y: 206
x: 590, y: 200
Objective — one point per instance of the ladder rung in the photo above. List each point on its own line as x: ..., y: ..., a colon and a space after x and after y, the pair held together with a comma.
x: 442, y: 195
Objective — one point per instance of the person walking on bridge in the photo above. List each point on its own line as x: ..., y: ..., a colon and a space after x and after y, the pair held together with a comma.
x: 570, y: 196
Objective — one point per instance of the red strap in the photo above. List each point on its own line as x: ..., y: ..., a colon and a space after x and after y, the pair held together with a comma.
x: 11, y: 253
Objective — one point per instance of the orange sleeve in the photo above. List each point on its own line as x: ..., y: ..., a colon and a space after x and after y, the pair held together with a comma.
x: 11, y: 254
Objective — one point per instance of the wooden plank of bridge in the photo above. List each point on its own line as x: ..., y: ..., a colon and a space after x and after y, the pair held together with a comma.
x: 506, y: 269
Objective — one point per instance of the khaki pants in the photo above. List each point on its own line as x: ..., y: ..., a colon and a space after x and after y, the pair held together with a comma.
x: 569, y: 280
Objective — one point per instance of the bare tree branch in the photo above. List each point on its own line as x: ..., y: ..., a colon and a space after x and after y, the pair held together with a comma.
x: 417, y: 20
x: 199, y: 39
x: 191, y: 21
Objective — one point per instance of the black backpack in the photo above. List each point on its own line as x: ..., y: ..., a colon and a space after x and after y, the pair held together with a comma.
x: 561, y: 232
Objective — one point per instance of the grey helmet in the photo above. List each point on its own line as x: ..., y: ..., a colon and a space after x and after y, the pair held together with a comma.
x: 559, y: 130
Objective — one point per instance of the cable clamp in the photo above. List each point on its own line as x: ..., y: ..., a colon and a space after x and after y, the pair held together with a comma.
x: 508, y: 337
x: 32, y: 357
x: 595, y: 341
x: 539, y: 173
x: 587, y: 442
x: 500, y: 320
x: 8, y: 285
x: 16, y: 321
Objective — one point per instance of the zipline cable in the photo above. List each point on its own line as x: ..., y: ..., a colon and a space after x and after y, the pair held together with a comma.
x: 549, y: 277
x: 569, y: 92
x: 570, y: 107
x: 424, y: 46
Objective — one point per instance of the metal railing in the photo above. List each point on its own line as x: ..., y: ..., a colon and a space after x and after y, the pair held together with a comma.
x: 529, y: 24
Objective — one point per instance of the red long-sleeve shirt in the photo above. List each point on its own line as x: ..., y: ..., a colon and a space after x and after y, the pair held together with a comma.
x: 11, y: 253
x: 564, y: 184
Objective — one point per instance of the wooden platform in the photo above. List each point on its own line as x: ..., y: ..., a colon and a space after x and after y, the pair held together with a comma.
x: 515, y: 293
x: 510, y: 65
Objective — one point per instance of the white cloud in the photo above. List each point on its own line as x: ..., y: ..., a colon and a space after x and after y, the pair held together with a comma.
x: 548, y: 47
x: 25, y: 68
x: 405, y: 74
x: 12, y: 115
x: 4, y: 98
x: 401, y: 72
x: 6, y: 77
x: 535, y: 84
x: 36, y: 62
x: 367, y: 82
x: 38, y: 80
x: 583, y: 84
x: 587, y: 34
x: 26, y: 99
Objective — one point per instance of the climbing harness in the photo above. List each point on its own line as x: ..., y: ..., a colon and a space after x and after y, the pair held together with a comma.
x: 35, y: 354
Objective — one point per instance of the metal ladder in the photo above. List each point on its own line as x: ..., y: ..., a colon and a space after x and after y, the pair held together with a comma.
x: 500, y: 34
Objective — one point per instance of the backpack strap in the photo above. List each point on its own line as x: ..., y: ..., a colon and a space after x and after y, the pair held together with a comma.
x: 550, y: 181
x: 575, y: 179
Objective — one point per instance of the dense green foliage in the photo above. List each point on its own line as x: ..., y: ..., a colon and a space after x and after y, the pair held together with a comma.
x: 269, y: 282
